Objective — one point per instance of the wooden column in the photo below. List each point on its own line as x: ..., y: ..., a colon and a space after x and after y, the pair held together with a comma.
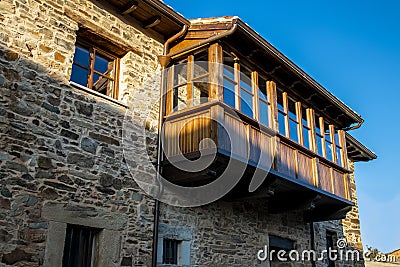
x: 286, y: 109
x: 311, y: 124
x: 342, y: 143
x: 322, y: 128
x: 215, y: 58
x: 299, y: 116
x: 169, y: 99
x: 189, y: 86
x: 332, y: 135
x: 254, y: 85
x: 273, y: 100
x: 237, y: 86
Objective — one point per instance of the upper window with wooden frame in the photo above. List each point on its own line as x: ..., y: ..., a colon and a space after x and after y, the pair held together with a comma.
x: 238, y: 85
x: 95, y: 68
x: 189, y: 80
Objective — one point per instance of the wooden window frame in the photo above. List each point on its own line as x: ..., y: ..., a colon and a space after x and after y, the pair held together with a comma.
x: 191, y: 79
x: 93, y: 49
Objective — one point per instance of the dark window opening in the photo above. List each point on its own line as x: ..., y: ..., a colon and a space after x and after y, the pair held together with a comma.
x: 330, y: 246
x: 80, y: 246
x: 95, y: 69
x: 170, y: 251
x: 277, y: 244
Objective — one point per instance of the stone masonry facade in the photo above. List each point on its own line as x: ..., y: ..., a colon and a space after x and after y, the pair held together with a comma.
x: 61, y: 157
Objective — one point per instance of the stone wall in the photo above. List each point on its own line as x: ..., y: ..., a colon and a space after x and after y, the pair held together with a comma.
x: 60, y: 144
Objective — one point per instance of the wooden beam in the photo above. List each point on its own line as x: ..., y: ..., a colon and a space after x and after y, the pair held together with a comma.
x: 286, y: 109
x: 189, y: 86
x: 311, y: 125
x: 169, y: 101
x: 322, y: 129
x: 299, y: 116
x: 332, y: 136
x: 154, y: 21
x: 273, y: 100
x: 254, y: 85
x: 130, y: 8
x: 215, y: 58
x: 237, y: 86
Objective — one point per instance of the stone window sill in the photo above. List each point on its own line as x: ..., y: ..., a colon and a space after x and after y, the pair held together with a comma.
x: 115, y: 101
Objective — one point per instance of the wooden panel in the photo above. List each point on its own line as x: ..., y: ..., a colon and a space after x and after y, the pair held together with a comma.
x: 287, y: 160
x: 183, y: 135
x: 324, y: 173
x: 260, y: 142
x: 338, y: 182
x: 305, y: 168
x: 236, y: 141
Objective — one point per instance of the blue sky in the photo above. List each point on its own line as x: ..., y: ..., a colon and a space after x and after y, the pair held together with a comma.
x: 353, y: 49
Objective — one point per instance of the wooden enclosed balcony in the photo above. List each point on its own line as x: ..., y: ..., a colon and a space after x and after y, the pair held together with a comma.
x: 222, y: 108
x: 298, y: 179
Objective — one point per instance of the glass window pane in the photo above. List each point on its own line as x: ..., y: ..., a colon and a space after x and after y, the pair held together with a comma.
x: 103, y: 65
x: 102, y: 85
x: 262, y: 94
x: 229, y: 72
x: 294, y: 135
x: 292, y: 109
x: 245, y: 83
x: 79, y: 75
x: 319, y: 145
x: 200, y: 93
x: 306, y: 138
x: 339, y: 156
x: 329, y: 150
x: 246, y: 102
x: 337, y: 139
x: 180, y: 73
x: 200, y: 68
x: 264, y: 113
x: 229, y: 93
x: 81, y: 56
x: 180, y: 98
x: 281, y: 121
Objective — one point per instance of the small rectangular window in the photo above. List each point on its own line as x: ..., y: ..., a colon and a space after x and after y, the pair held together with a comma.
x: 80, y: 246
x: 277, y: 244
x: 95, y: 69
x: 170, y: 251
x: 330, y: 246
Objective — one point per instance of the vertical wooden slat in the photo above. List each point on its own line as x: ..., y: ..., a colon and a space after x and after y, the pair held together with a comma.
x: 169, y: 100
x: 300, y: 122
x: 237, y: 86
x: 342, y: 143
x: 332, y: 135
x: 254, y: 84
x: 322, y: 128
x: 273, y: 100
x: 215, y: 58
x: 286, y: 109
x: 311, y: 125
x: 189, y: 86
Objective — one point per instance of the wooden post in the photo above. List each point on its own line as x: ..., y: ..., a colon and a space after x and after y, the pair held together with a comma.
x: 273, y: 103
x: 342, y: 143
x: 332, y: 135
x: 299, y: 116
x: 322, y: 129
x: 169, y: 101
x: 215, y: 58
x: 286, y: 109
x: 311, y: 125
x: 254, y: 85
x: 189, y: 86
x: 237, y: 86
